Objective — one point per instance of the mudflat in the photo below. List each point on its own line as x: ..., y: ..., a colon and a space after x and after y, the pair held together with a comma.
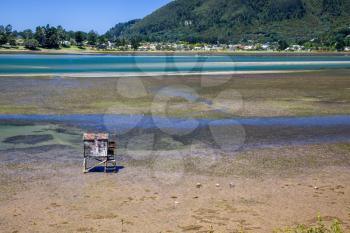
x: 283, y: 173
x: 279, y: 94
x: 195, y: 189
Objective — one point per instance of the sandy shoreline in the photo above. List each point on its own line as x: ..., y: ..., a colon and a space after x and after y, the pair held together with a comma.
x: 189, y: 53
x: 151, y: 74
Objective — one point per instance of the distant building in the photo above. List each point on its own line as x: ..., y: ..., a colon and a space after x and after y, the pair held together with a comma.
x: 188, y: 22
x: 66, y: 43
x: 265, y: 46
x: 295, y: 48
x: 110, y: 45
x: 248, y: 47
x: 102, y: 46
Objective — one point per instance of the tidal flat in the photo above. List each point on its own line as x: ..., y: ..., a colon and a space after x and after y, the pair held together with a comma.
x: 291, y: 165
x: 293, y: 183
x: 246, y: 95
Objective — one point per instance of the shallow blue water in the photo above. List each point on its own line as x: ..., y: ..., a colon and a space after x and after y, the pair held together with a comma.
x: 257, y: 132
x: 60, y: 64
x: 148, y: 122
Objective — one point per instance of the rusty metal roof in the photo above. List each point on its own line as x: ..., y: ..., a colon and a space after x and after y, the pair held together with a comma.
x: 95, y: 136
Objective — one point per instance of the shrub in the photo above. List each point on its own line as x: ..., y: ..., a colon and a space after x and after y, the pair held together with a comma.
x: 31, y: 44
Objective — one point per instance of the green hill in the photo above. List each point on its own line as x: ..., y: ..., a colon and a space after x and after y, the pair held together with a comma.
x: 236, y: 20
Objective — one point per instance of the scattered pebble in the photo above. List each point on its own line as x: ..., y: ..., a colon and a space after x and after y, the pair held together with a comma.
x: 176, y: 203
x: 316, y: 187
x: 198, y: 185
x: 217, y: 185
x: 232, y: 185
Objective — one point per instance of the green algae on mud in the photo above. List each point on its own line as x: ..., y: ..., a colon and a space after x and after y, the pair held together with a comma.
x: 283, y: 94
x: 29, y: 139
x: 25, y: 136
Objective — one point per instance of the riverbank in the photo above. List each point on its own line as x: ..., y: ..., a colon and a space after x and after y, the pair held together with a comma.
x: 77, y: 51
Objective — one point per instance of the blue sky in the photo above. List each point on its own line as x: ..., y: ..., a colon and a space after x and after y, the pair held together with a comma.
x: 84, y: 15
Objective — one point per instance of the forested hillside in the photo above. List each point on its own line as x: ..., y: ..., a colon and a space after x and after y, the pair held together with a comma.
x: 237, y: 20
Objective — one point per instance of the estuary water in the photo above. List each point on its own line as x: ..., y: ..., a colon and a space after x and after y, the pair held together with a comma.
x: 123, y: 122
x: 119, y: 65
x: 255, y: 132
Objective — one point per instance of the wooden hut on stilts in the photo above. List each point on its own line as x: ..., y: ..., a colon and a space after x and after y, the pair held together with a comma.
x: 99, y: 150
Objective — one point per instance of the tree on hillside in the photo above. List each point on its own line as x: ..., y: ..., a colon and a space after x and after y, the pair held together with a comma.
x: 52, y: 38
x: 8, y: 29
x: 339, y: 45
x: 3, y: 39
x: 135, y: 43
x: 347, y: 41
x: 332, y: 7
x: 120, y: 42
x: 70, y: 35
x: 102, y: 40
x: 282, y: 45
x: 12, y: 40
x: 92, y: 37
x: 40, y: 36
x: 10, y: 35
x: 80, y: 37
x: 27, y: 34
x: 7, y: 36
x: 61, y: 34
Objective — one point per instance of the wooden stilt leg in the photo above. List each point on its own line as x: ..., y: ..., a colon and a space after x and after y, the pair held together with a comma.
x: 84, y: 165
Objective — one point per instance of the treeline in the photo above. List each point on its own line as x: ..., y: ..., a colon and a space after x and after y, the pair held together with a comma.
x: 56, y: 37
x: 50, y: 37
x: 335, y: 40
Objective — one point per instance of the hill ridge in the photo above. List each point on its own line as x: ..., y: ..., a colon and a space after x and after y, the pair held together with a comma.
x: 237, y: 20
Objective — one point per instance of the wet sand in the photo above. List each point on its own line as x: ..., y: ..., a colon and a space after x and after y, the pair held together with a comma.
x: 258, y: 187
x: 252, y: 191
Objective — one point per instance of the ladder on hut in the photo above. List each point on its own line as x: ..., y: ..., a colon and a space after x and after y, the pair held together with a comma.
x: 99, y: 149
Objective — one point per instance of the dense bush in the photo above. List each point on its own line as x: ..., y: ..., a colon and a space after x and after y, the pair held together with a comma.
x: 31, y: 44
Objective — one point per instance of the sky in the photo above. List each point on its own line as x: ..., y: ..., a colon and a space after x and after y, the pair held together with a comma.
x: 84, y: 15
